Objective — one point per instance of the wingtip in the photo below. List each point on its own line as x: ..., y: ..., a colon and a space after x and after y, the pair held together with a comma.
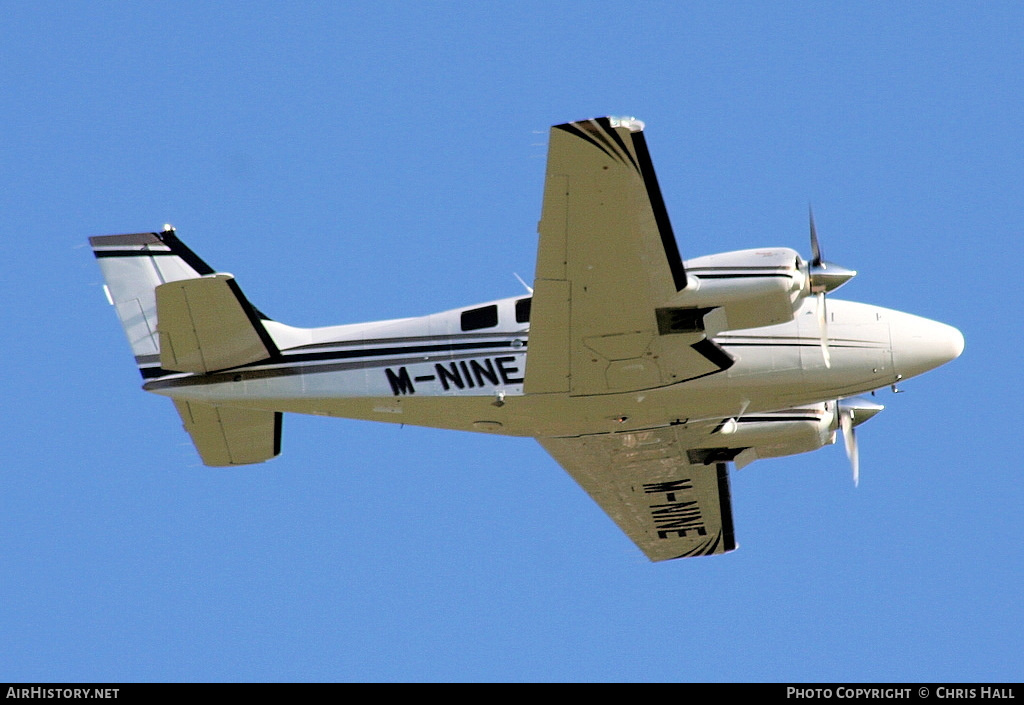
x: 630, y: 123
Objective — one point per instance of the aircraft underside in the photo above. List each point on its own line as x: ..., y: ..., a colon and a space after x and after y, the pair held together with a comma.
x: 641, y: 374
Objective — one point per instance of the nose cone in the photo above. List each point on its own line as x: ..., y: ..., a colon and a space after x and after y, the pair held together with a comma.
x: 919, y: 345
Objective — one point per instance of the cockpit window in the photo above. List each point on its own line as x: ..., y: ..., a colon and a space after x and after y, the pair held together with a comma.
x: 523, y: 310
x: 477, y: 318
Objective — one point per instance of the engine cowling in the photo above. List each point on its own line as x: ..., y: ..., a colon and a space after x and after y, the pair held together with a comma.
x: 775, y: 434
x: 742, y: 289
x: 779, y: 433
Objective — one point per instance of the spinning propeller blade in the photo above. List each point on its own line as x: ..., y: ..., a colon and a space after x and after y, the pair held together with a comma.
x: 850, y: 440
x: 815, y: 247
x: 823, y: 277
x: 851, y: 413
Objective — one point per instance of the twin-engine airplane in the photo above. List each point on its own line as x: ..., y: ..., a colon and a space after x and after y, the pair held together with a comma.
x: 643, y: 375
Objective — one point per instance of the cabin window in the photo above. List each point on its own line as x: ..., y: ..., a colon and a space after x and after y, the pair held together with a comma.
x: 523, y: 310
x: 477, y: 318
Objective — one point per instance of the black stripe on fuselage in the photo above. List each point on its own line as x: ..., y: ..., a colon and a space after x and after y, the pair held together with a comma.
x: 289, y: 359
x: 245, y: 375
x: 397, y: 350
x: 520, y: 335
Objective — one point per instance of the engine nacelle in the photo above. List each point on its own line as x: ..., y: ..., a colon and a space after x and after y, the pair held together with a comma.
x: 771, y: 435
x: 736, y: 290
x: 774, y: 434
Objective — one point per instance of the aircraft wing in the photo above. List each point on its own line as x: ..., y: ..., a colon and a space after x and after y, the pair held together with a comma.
x: 607, y: 265
x: 646, y: 482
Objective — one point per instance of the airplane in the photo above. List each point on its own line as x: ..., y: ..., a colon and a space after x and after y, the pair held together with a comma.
x: 643, y: 375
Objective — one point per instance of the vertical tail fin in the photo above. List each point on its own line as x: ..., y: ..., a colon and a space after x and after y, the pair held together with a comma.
x: 133, y: 266
x: 208, y: 325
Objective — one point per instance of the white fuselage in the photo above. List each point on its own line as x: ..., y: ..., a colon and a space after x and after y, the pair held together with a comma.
x: 431, y: 371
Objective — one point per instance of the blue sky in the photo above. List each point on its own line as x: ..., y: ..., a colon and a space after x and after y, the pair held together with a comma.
x: 353, y: 162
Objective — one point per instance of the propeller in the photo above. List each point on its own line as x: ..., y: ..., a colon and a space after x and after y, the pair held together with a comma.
x: 850, y: 441
x: 823, y: 277
x: 851, y: 413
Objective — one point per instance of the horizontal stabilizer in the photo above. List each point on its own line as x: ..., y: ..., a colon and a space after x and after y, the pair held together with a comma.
x: 230, y: 436
x: 207, y: 324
